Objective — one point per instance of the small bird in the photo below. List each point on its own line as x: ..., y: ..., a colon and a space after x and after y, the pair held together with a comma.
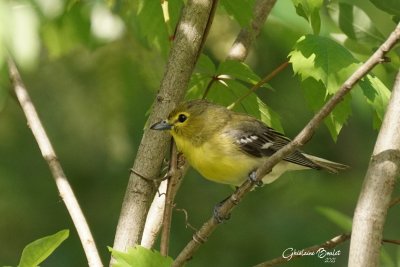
x: 226, y: 147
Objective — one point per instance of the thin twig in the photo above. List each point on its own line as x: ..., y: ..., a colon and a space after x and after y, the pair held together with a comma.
x: 307, y: 132
x: 50, y: 157
x: 177, y: 168
x: 391, y: 241
x: 328, y: 244
x: 394, y: 202
x: 187, y: 224
x: 260, y: 83
x: 210, y: 83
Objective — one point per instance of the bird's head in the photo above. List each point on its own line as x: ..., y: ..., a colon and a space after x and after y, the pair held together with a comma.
x: 190, y: 118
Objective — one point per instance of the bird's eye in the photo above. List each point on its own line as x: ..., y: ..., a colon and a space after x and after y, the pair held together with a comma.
x: 182, y: 117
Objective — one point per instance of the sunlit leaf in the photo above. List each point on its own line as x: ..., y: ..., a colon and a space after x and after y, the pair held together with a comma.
x: 309, y: 9
x: 269, y: 116
x: 19, y: 32
x: 140, y: 256
x: 37, y: 251
x: 322, y: 59
x: 377, y: 95
x: 340, y: 219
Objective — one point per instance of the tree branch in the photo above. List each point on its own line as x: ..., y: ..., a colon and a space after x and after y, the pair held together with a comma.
x: 48, y: 153
x: 177, y: 169
x: 182, y: 59
x: 241, y: 47
x: 375, y: 196
x: 208, y: 227
x: 154, y: 217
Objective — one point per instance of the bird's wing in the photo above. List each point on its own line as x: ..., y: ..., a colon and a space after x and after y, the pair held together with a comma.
x: 256, y: 139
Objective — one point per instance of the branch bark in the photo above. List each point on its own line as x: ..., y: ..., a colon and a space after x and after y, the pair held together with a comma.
x: 375, y: 196
x: 208, y: 227
x: 48, y: 153
x: 188, y: 42
x: 241, y: 47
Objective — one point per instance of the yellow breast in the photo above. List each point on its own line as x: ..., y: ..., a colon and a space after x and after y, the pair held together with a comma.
x: 218, y: 160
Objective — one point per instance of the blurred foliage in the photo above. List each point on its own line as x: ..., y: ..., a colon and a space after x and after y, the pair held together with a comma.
x: 92, y: 69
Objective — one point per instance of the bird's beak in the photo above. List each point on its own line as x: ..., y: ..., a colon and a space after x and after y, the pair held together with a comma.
x: 161, y: 126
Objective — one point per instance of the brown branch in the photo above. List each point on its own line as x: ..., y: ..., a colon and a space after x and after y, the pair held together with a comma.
x: 241, y: 47
x: 391, y: 241
x: 190, y: 35
x: 177, y: 168
x: 394, y: 202
x: 48, y: 153
x: 260, y: 83
x: 375, y: 197
x: 224, y: 210
x: 328, y: 244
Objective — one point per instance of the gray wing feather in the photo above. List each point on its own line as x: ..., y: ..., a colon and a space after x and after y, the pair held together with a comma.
x: 258, y: 140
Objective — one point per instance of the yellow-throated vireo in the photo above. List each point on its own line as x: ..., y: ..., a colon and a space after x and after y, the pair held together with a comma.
x: 226, y: 146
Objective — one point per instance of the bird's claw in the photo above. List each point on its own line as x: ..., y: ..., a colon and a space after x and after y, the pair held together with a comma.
x: 253, y: 179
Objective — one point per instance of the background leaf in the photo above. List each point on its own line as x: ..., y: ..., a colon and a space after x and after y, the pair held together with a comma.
x: 37, y: 251
x: 309, y: 9
x: 389, y: 6
x: 340, y: 219
x: 355, y: 23
x: 240, y: 10
x: 377, y: 95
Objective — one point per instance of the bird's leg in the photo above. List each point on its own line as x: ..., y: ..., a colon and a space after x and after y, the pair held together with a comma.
x: 216, y: 212
x: 253, y: 179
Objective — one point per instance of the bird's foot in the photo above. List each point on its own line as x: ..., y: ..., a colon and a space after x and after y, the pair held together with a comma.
x: 217, y: 214
x: 253, y: 179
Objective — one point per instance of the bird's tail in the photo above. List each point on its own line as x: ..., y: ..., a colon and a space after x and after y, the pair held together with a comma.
x: 328, y: 165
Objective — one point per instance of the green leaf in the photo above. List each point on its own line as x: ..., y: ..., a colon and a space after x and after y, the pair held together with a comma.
x: 237, y: 70
x: 356, y: 24
x: 175, y: 11
x: 205, y: 65
x: 37, y: 251
x: 322, y: 59
x: 151, y: 25
x: 269, y: 116
x: 240, y: 10
x: 377, y: 95
x: 323, y: 66
x: 389, y: 6
x: 337, y: 217
x: 140, y: 256
x: 67, y: 32
x: 315, y: 95
x: 309, y: 9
